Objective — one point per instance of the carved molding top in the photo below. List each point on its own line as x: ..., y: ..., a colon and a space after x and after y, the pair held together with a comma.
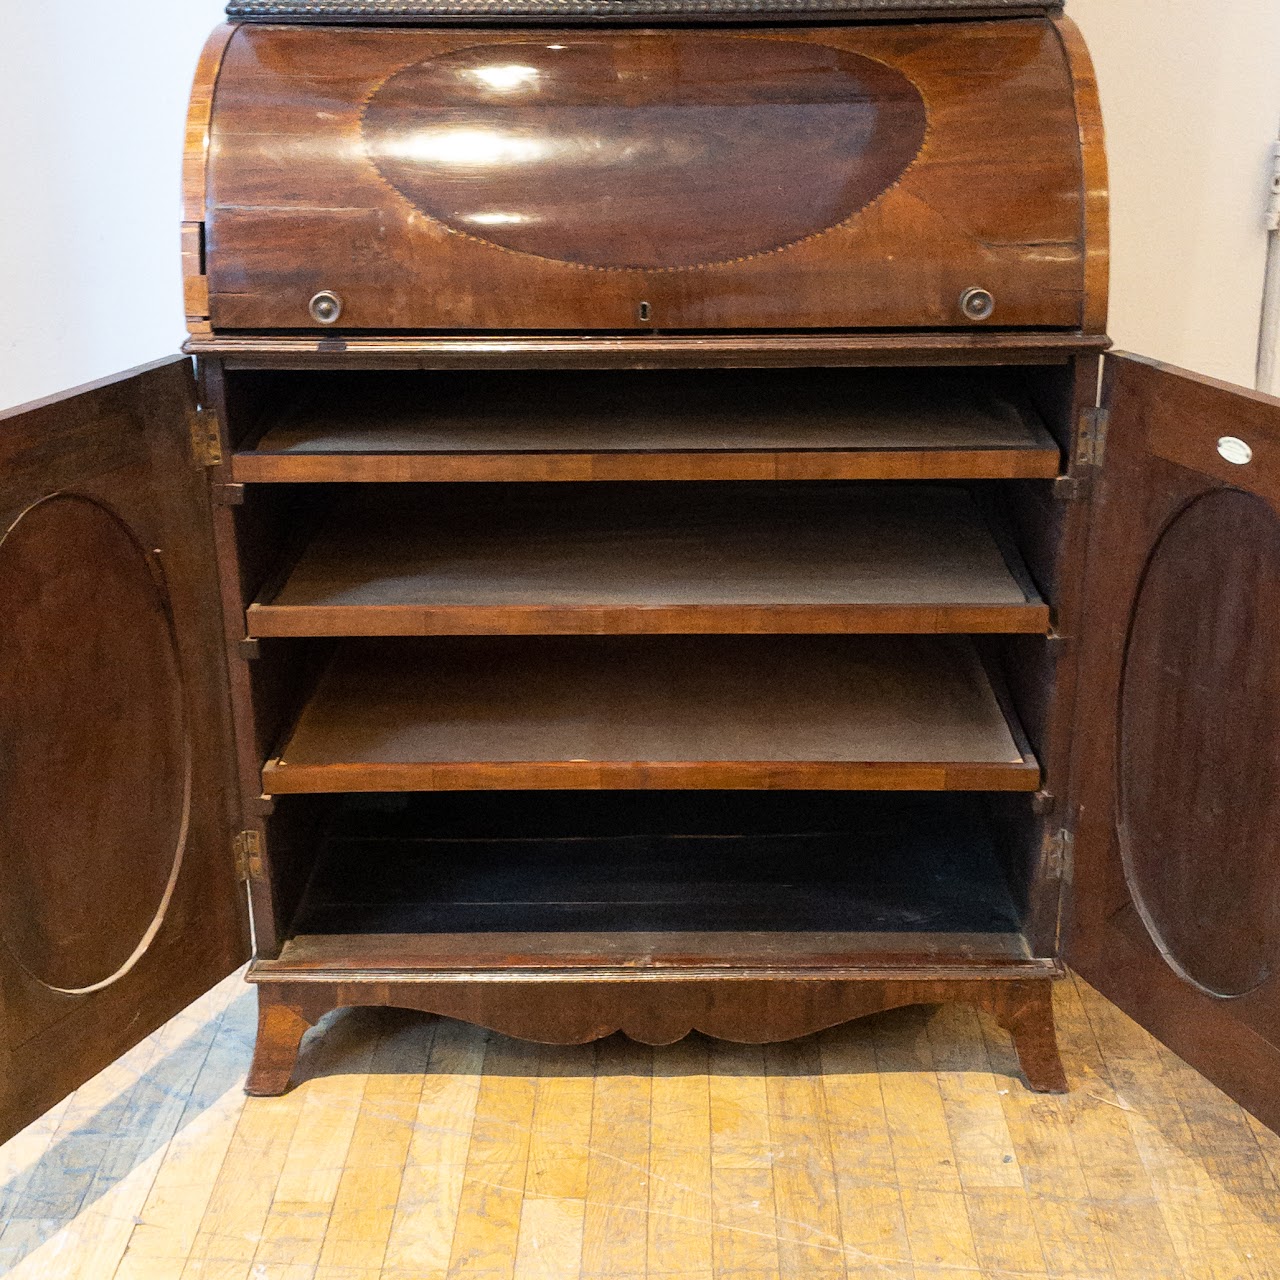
x: 404, y: 11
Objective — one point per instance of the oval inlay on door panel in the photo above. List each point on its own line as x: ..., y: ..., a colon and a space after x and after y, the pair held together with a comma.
x: 92, y: 737
x: 650, y: 150
x: 1199, y: 748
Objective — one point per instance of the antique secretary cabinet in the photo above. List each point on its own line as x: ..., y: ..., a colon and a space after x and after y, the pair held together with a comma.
x: 650, y: 542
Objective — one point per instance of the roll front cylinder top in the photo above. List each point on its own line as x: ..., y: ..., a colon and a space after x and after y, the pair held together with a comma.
x: 891, y: 175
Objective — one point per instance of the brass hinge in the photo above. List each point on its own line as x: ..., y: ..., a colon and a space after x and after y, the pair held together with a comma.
x: 205, y: 442
x: 1091, y: 443
x: 248, y: 851
x: 1058, y: 852
x: 227, y: 495
x: 1069, y: 488
x: 1043, y: 801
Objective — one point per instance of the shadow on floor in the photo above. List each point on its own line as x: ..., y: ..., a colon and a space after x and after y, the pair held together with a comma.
x: 88, y: 1161
x: 182, y: 1083
x: 332, y: 1046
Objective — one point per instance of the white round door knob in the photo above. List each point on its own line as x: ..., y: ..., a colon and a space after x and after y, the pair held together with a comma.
x: 1234, y: 450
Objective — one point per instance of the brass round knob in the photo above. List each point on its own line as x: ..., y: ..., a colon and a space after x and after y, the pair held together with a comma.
x: 977, y: 304
x: 326, y: 308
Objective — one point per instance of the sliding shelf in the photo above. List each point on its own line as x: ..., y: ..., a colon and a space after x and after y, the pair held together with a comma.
x: 652, y: 559
x: 808, y: 424
x: 651, y: 882
x: 817, y: 712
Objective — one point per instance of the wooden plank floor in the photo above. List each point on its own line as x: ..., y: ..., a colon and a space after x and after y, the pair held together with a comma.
x: 900, y: 1148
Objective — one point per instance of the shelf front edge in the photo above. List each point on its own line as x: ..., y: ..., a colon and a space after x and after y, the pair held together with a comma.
x: 268, y: 971
x: 281, y: 778
x: 268, y: 621
x: 625, y: 351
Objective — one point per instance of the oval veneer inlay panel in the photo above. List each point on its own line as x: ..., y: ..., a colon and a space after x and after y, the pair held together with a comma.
x: 88, y: 673
x: 653, y: 151
x: 1199, y: 749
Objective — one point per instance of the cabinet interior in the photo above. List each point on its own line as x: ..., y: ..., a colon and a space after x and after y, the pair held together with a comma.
x: 766, y: 681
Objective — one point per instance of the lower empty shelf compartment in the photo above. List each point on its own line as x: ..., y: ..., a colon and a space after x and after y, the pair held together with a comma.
x: 818, y: 712
x: 531, y: 879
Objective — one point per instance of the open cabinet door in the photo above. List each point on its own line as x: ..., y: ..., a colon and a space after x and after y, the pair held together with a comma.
x: 119, y: 901
x: 1176, y: 913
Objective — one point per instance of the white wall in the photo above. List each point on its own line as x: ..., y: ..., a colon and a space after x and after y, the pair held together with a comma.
x: 1191, y: 96
x: 93, y: 99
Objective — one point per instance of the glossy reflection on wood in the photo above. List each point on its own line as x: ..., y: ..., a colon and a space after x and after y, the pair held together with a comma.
x: 462, y: 184
x: 1097, y: 181
x: 617, y: 149
x: 195, y: 277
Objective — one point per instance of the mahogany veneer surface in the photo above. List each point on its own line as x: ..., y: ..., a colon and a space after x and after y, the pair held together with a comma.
x: 120, y: 904
x: 706, y: 424
x: 859, y: 176
x: 631, y: 558
x: 801, y: 711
